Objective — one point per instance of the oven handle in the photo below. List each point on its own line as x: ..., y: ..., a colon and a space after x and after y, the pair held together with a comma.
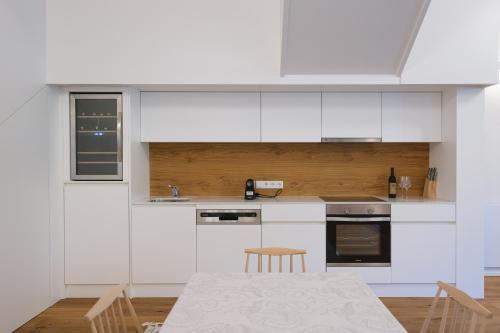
x: 358, y: 219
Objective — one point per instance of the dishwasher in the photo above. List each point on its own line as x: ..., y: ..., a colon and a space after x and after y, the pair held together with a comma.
x: 222, y: 235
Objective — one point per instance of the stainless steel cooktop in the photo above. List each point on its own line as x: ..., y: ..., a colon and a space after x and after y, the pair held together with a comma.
x: 351, y: 199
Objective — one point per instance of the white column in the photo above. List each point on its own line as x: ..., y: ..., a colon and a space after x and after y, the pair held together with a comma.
x: 469, y: 190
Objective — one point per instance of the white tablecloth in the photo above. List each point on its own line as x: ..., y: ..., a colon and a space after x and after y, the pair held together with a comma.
x: 279, y: 302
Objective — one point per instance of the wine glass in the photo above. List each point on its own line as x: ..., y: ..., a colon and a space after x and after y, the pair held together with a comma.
x: 402, y: 185
x: 405, y: 184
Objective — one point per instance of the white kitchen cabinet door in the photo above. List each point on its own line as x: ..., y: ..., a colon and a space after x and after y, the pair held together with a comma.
x: 422, y: 212
x: 163, y: 243
x: 411, y: 117
x: 351, y: 115
x: 220, y: 248
x: 309, y: 236
x: 200, y: 117
x: 294, y: 212
x: 423, y: 252
x: 291, y: 117
x: 96, y: 228
x: 374, y: 275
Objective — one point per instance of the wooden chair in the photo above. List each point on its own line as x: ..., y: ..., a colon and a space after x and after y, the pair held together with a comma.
x: 107, y: 315
x: 274, y: 252
x: 466, y: 312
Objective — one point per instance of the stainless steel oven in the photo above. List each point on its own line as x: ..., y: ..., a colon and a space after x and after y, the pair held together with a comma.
x: 358, y: 234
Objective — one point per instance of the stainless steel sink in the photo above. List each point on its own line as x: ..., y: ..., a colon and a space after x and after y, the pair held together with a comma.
x: 169, y: 199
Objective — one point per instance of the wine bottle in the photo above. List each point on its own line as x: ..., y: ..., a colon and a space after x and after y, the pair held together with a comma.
x: 392, y: 184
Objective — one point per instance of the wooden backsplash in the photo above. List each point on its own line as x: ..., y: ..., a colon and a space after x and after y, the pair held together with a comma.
x: 306, y: 168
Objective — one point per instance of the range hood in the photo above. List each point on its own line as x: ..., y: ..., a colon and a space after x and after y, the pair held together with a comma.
x: 343, y: 140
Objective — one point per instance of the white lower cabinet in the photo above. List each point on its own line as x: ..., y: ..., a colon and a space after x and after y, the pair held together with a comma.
x: 96, y: 231
x: 163, y: 244
x: 220, y: 248
x: 423, y: 252
x: 309, y: 236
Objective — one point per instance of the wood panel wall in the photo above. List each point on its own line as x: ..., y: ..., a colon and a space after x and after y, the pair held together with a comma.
x: 201, y: 169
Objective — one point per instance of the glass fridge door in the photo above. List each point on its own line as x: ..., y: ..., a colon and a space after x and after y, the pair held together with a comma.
x: 96, y: 137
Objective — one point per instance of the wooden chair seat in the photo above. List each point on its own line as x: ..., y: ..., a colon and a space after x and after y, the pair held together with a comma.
x: 467, y: 314
x: 274, y: 252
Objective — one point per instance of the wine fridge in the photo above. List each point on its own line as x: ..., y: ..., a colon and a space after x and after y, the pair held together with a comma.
x: 96, y: 136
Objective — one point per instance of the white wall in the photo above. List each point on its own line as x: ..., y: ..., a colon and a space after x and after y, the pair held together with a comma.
x: 22, y: 56
x: 160, y: 41
x: 457, y: 44
x: 139, y: 151
x: 239, y: 42
x: 24, y: 167
x: 492, y: 176
x: 443, y: 155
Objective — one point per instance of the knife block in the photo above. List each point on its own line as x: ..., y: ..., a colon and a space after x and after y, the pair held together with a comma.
x: 430, y: 189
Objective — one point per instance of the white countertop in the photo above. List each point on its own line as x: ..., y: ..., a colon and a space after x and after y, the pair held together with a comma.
x: 231, y: 200
x: 279, y: 302
x: 236, y: 201
x: 416, y: 200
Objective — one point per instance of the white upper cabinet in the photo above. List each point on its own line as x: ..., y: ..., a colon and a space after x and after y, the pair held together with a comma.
x: 200, y: 117
x: 411, y: 117
x: 291, y: 117
x: 351, y: 115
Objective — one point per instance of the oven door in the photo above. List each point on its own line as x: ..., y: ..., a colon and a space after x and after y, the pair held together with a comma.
x: 358, y: 241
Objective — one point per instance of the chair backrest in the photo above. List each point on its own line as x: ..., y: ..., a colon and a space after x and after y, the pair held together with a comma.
x: 107, y: 314
x: 466, y: 315
x: 274, y: 252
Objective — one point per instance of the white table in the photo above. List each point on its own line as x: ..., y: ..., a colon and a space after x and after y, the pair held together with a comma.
x: 279, y: 302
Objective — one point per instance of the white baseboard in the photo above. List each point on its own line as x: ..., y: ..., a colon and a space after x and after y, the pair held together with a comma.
x: 157, y: 290
x: 86, y: 290
x: 404, y: 290
x: 174, y: 290
x: 136, y: 290
x: 492, y: 271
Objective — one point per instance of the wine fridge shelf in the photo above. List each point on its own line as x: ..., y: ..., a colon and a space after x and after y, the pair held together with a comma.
x: 96, y: 131
x: 92, y: 117
x: 95, y: 162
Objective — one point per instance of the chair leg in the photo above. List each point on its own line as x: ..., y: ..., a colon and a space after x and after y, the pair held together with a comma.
x: 281, y: 263
x: 269, y: 263
x: 131, y: 310
x: 473, y: 323
x: 246, y: 262
x: 260, y: 264
x: 427, y: 320
x: 303, y: 263
x: 291, y: 263
x: 444, y: 318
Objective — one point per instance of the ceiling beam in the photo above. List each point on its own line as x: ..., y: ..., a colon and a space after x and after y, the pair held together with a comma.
x: 285, y: 15
x: 412, y: 37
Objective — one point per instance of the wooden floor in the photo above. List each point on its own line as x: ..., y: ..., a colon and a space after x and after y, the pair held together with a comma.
x: 66, y: 315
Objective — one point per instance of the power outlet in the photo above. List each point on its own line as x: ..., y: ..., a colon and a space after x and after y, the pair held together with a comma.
x: 276, y: 184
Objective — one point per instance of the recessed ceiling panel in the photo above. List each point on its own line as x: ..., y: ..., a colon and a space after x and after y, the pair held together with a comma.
x: 348, y: 36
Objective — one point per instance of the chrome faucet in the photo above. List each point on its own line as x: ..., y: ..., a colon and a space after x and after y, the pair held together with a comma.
x: 174, y: 190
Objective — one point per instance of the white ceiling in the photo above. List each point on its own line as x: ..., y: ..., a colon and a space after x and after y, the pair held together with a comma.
x: 349, y: 36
